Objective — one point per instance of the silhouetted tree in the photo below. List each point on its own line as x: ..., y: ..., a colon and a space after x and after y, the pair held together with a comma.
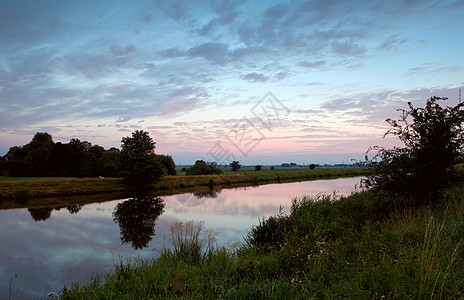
x: 137, y: 219
x: 312, y: 166
x: 39, y: 153
x: 91, y: 165
x: 235, y: 165
x: 258, y: 168
x: 433, y: 139
x: 77, y: 150
x: 139, y: 164
x: 111, y: 163
x: 16, y: 164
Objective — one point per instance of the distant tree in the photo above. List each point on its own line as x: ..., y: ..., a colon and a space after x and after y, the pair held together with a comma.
x: 111, y: 163
x: 39, y: 153
x: 285, y: 165
x: 60, y: 161
x: 258, y: 168
x: 235, y: 165
x: 433, y: 139
x: 168, y: 164
x: 272, y: 168
x: 15, y: 160
x: 91, y: 165
x: 203, y: 168
x: 139, y: 164
x: 312, y: 166
x: 184, y: 170
x: 77, y: 150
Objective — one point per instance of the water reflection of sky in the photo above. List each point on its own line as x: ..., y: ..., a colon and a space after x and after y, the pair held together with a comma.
x: 46, y: 254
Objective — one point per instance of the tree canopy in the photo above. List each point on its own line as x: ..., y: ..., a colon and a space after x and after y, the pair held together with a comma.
x: 140, y: 166
x: 43, y: 157
x: 203, y: 168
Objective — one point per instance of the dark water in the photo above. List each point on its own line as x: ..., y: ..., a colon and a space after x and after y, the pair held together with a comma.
x: 43, y: 249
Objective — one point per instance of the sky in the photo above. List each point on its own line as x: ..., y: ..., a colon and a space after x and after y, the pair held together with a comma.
x: 261, y: 82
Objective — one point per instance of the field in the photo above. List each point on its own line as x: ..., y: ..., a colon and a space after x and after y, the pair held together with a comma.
x: 32, y: 187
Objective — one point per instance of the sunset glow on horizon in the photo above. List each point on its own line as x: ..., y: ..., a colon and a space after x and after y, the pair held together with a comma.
x: 259, y: 82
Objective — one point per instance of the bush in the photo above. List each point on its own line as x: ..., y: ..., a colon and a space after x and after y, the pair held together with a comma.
x: 433, y: 137
x: 258, y: 168
x: 203, y: 168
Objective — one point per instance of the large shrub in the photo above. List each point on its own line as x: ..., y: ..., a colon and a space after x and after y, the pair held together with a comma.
x: 433, y: 142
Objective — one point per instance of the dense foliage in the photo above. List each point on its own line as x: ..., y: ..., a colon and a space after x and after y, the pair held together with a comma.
x: 169, y: 167
x: 433, y: 142
x: 140, y: 166
x: 203, y: 168
x: 43, y: 157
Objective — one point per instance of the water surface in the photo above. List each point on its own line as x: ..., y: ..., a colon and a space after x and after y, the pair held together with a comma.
x: 48, y: 247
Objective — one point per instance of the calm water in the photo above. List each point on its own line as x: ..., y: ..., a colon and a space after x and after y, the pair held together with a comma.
x: 48, y: 247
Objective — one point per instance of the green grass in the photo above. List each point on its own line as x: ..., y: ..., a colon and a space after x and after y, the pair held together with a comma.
x: 371, y: 245
x: 8, y: 178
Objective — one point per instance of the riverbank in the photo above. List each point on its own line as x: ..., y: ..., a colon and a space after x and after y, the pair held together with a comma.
x: 16, y: 191
x: 371, y: 245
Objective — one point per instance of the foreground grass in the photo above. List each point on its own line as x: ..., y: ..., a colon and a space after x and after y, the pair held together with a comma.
x: 370, y: 245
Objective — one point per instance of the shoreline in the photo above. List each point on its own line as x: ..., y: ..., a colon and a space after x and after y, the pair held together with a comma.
x: 42, y: 192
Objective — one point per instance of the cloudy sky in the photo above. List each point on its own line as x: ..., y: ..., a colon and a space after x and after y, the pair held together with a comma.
x: 254, y: 81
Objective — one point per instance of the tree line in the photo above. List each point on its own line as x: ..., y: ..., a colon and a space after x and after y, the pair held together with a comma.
x: 43, y: 157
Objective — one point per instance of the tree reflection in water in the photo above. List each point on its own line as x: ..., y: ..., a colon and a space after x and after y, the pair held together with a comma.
x: 74, y: 209
x: 136, y: 218
x: 40, y: 214
x: 207, y: 194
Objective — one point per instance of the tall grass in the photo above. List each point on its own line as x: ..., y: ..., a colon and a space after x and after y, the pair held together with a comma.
x: 188, y: 239
x: 370, y: 245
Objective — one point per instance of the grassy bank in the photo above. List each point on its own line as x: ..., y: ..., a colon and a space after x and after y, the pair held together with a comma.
x: 371, y: 245
x: 36, y: 187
